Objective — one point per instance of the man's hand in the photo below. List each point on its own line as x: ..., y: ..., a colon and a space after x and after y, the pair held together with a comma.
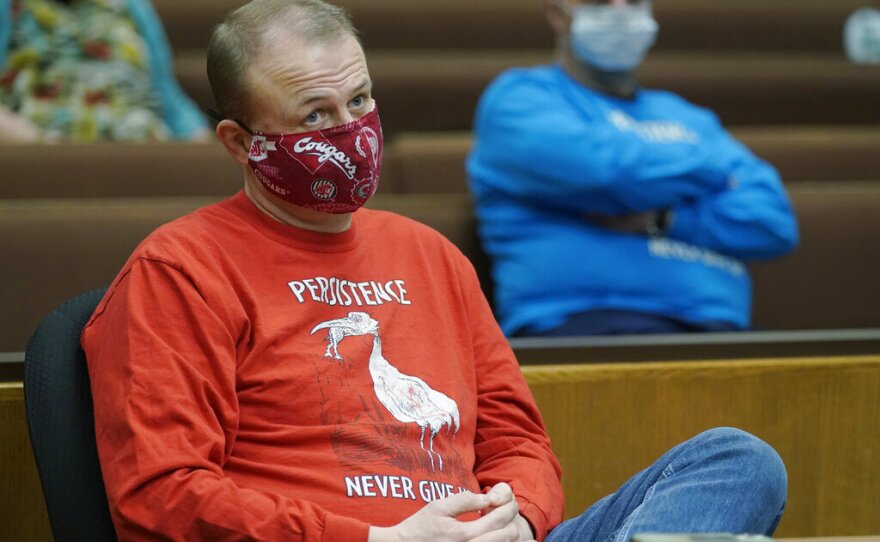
x: 17, y: 129
x: 501, y: 494
x: 638, y: 224
x: 437, y: 522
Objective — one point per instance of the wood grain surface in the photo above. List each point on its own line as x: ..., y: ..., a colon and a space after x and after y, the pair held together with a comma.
x: 607, y: 421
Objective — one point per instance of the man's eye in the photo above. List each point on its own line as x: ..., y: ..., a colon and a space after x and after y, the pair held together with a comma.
x: 358, y: 101
x: 313, y: 117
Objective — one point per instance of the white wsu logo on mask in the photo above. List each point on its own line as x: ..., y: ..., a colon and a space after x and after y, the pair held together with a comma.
x: 325, y: 152
x: 372, y: 141
x: 259, y: 148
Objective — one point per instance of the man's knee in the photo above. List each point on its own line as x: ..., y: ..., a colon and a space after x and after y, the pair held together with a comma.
x: 758, y: 462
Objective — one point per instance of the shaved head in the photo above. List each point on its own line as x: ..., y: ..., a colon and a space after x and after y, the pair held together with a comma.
x: 247, y: 33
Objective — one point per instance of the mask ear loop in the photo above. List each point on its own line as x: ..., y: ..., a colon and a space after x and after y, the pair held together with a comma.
x: 217, y: 117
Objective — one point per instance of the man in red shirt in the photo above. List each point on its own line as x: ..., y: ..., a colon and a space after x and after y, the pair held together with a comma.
x: 284, y: 366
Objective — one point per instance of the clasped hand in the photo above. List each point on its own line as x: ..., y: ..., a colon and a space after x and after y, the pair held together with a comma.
x: 500, y: 520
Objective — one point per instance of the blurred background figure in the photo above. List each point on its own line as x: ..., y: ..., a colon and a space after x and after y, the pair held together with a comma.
x: 607, y: 208
x: 89, y: 70
x: 861, y: 37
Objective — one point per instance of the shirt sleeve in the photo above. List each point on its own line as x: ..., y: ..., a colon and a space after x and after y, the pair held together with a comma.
x: 162, y: 364
x: 511, y: 444
x: 536, y: 144
x: 751, y: 219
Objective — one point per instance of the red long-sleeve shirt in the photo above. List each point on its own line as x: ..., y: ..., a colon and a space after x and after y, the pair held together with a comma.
x: 256, y: 381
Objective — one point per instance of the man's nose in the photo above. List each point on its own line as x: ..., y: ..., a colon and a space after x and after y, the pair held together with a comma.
x: 345, y: 116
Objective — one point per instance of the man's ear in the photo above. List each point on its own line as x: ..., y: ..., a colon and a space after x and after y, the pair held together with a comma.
x: 235, y: 138
x: 557, y: 16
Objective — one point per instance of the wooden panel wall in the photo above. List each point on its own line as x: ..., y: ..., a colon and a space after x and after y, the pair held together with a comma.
x: 608, y: 421
x: 22, y: 510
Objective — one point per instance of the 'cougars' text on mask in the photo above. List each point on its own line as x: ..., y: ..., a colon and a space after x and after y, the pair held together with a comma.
x: 335, y: 170
x: 612, y: 38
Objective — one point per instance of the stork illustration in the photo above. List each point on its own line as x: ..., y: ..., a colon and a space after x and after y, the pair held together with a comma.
x: 356, y: 323
x: 408, y: 398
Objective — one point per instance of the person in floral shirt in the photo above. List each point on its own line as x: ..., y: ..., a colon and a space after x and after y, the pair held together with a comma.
x: 89, y: 70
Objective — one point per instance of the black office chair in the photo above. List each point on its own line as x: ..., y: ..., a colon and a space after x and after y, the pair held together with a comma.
x: 60, y: 417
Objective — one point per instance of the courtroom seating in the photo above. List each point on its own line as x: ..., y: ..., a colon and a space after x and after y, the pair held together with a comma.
x: 650, y: 348
x: 61, y: 424
x: 56, y: 248
x: 438, y: 90
x: 817, y: 153
x: 124, y: 170
x: 53, y: 249
x: 752, y: 62
x: 695, y: 346
x: 831, y: 279
x: 22, y: 507
x: 414, y: 163
x: 693, y: 25
x: 116, y: 170
x: 606, y: 421
x: 11, y: 366
x: 434, y: 162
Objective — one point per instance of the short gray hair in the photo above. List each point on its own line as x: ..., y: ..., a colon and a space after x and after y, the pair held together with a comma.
x: 240, y: 38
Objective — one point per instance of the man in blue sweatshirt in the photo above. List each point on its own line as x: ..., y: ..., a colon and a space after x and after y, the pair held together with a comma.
x: 610, y: 208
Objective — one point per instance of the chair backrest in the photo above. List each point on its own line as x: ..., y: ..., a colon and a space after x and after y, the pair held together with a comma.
x: 60, y: 417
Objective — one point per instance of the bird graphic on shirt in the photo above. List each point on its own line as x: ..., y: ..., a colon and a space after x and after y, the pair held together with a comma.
x: 356, y: 323
x: 408, y: 398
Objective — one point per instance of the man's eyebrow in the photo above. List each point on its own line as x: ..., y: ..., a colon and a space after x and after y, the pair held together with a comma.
x: 313, y: 99
x: 366, y: 83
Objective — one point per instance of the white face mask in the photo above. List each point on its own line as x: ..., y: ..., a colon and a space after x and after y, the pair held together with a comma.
x: 612, y: 38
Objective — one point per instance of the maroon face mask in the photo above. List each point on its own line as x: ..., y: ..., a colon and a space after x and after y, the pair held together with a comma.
x: 334, y: 170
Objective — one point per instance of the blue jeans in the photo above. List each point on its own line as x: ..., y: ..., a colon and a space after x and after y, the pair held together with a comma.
x: 722, y: 480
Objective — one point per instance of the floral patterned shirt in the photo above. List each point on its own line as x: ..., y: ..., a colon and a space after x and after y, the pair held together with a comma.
x: 80, y: 71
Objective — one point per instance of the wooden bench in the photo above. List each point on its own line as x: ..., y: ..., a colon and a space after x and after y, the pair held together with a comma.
x: 532, y: 351
x: 434, y: 162
x: 54, y: 249
x: 438, y: 90
x: 116, y: 170
x: 607, y: 421
x: 127, y: 170
x: 835, y: 267
x: 415, y: 162
x: 782, y: 25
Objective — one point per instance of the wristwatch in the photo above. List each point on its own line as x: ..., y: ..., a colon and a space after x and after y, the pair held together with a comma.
x: 659, y: 223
